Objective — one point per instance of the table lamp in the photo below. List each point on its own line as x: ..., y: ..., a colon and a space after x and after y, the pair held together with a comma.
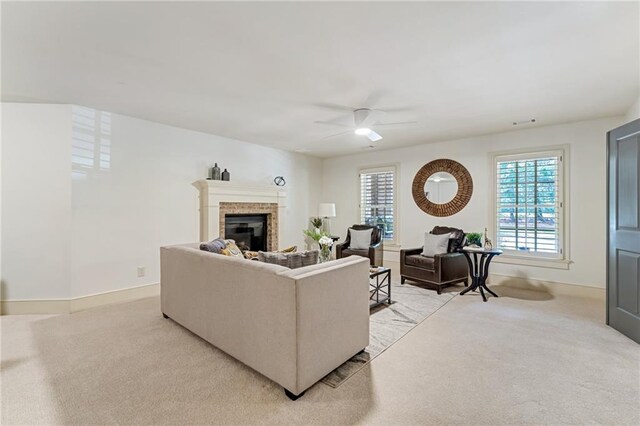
x: 325, y: 211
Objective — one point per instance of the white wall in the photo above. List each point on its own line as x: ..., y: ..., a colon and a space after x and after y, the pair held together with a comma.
x: 122, y: 215
x: 587, y: 193
x: 634, y: 111
x: 113, y: 216
x: 36, y: 201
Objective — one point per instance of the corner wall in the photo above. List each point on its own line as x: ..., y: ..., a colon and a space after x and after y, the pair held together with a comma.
x: 634, y: 111
x: 90, y: 196
x: 586, y: 192
x: 36, y: 201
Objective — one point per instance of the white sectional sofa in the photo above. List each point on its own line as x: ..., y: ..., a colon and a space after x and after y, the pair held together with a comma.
x: 292, y: 325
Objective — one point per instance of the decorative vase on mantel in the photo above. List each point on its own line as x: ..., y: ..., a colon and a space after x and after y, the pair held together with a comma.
x: 226, y: 175
x: 215, y: 172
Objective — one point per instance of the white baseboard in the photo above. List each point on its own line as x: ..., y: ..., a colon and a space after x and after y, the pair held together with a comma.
x: 554, y: 288
x: 27, y: 307
x: 65, y: 306
x: 551, y: 287
x: 117, y: 296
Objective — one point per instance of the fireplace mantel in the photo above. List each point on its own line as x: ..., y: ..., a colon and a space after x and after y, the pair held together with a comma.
x: 214, y: 192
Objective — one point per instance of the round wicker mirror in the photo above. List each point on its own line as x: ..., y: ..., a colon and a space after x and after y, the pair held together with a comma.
x: 462, y: 197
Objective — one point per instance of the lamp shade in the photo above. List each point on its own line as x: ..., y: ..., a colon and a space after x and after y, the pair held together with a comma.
x: 327, y: 210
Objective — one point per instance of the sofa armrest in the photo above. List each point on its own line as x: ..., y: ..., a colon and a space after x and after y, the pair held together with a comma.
x: 376, y: 253
x: 340, y: 247
x: 451, y: 266
x: 408, y: 252
x: 332, y: 316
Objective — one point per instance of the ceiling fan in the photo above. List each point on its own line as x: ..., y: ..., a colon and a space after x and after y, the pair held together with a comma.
x: 364, y: 120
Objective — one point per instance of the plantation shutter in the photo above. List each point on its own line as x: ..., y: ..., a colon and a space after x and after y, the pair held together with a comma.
x: 91, y: 141
x: 529, y: 204
x: 377, y: 199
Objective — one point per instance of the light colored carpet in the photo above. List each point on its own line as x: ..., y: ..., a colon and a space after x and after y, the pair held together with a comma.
x: 389, y: 323
x: 524, y: 358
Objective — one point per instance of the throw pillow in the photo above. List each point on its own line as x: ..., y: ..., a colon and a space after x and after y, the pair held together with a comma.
x: 214, y: 246
x: 290, y: 260
x: 251, y: 255
x: 273, y: 257
x: 360, y: 239
x: 231, y: 249
x: 435, y: 244
x: 289, y: 249
x: 310, y: 257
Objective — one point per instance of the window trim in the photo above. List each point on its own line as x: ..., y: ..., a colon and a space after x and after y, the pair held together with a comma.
x: 395, y: 168
x: 534, y: 259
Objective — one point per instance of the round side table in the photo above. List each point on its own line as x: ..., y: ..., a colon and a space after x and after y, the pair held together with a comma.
x: 479, y: 268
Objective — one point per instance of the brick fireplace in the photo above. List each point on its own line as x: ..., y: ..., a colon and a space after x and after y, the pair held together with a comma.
x: 268, y: 209
x: 221, y: 198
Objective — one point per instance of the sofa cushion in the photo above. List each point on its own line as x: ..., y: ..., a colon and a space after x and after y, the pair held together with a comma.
x: 435, y: 244
x: 420, y: 261
x: 290, y: 260
x: 359, y: 239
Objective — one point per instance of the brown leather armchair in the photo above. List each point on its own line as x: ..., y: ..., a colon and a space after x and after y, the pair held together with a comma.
x: 374, y: 252
x: 439, y: 271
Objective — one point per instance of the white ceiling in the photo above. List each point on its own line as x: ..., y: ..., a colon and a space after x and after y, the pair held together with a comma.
x: 265, y: 72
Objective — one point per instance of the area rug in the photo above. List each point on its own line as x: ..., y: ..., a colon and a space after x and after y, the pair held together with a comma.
x: 389, y: 323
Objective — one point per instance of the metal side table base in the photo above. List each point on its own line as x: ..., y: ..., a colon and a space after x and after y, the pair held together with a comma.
x: 479, y: 270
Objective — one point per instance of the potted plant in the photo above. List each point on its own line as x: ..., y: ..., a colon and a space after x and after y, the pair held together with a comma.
x: 474, y: 239
x: 317, y: 223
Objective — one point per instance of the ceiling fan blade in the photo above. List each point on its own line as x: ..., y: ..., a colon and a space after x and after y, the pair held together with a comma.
x: 374, y: 98
x: 400, y: 123
x: 329, y: 123
x: 373, y: 136
x: 335, y: 107
x: 337, y: 134
x: 398, y: 109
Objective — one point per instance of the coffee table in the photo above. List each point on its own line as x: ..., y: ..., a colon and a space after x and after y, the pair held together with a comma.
x: 377, y: 293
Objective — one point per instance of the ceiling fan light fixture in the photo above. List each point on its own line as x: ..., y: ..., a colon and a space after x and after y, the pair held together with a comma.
x: 362, y: 131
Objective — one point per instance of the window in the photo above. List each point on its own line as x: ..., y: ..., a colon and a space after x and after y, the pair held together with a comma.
x: 529, y: 206
x: 378, y: 199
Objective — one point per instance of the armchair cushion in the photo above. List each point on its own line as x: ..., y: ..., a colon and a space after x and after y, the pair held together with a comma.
x: 420, y: 261
x: 360, y: 239
x: 435, y: 244
x: 357, y: 252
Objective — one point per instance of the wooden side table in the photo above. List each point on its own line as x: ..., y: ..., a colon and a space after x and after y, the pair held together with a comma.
x: 479, y: 269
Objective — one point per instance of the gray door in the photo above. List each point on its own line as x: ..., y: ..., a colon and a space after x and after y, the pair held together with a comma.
x: 623, y: 261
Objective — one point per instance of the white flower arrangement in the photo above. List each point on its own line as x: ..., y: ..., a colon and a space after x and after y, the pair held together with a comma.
x: 325, y: 241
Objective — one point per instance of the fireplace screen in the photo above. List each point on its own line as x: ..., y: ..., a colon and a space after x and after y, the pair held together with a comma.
x: 248, y: 231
